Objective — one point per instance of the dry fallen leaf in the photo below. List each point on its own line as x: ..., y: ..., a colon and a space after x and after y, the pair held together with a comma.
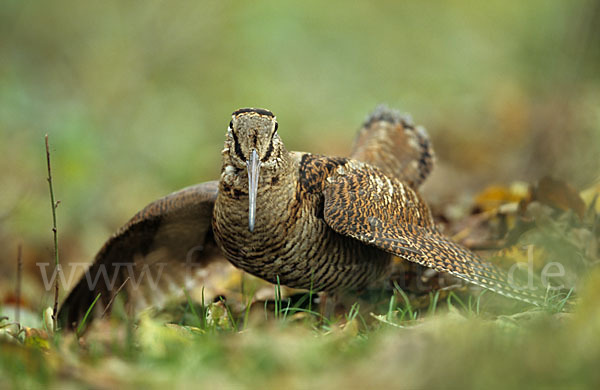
x: 560, y: 195
x: 492, y: 197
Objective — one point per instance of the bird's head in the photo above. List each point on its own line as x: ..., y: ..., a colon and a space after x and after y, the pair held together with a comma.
x: 252, y: 144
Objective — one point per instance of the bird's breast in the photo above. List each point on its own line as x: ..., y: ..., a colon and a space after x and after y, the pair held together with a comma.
x: 291, y: 241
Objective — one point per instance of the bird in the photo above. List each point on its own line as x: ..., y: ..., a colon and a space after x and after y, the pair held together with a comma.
x: 298, y: 219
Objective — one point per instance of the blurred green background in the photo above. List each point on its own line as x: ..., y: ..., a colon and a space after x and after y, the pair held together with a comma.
x: 136, y: 97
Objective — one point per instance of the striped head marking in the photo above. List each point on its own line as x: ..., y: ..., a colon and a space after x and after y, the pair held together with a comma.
x: 253, y: 142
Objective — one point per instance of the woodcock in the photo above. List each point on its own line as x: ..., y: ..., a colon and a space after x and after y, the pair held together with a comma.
x: 305, y: 220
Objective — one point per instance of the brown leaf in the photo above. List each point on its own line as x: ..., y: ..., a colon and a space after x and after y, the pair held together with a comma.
x: 560, y: 195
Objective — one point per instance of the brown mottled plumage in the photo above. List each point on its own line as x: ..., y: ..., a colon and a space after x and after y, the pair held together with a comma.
x: 392, y: 143
x: 328, y: 223
x: 164, y: 242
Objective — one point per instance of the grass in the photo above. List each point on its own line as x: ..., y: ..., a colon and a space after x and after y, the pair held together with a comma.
x: 457, y: 343
x: 384, y: 338
x: 81, y: 325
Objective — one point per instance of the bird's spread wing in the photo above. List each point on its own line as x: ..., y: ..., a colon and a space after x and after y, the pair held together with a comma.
x: 391, y: 142
x: 363, y: 203
x: 159, y: 250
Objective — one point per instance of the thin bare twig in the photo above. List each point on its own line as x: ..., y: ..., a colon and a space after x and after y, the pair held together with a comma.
x: 55, y: 233
x: 113, y: 297
x: 19, y: 278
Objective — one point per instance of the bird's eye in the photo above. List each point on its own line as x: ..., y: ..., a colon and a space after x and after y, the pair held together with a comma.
x: 276, y: 126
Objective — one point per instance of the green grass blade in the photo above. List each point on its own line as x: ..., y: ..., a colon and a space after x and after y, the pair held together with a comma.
x: 87, y: 313
x: 192, y: 308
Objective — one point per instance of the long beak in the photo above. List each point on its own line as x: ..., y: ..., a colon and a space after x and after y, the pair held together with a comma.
x: 253, y: 172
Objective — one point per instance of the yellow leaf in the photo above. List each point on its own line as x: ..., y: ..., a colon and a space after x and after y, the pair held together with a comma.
x: 494, y: 196
x: 590, y: 194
